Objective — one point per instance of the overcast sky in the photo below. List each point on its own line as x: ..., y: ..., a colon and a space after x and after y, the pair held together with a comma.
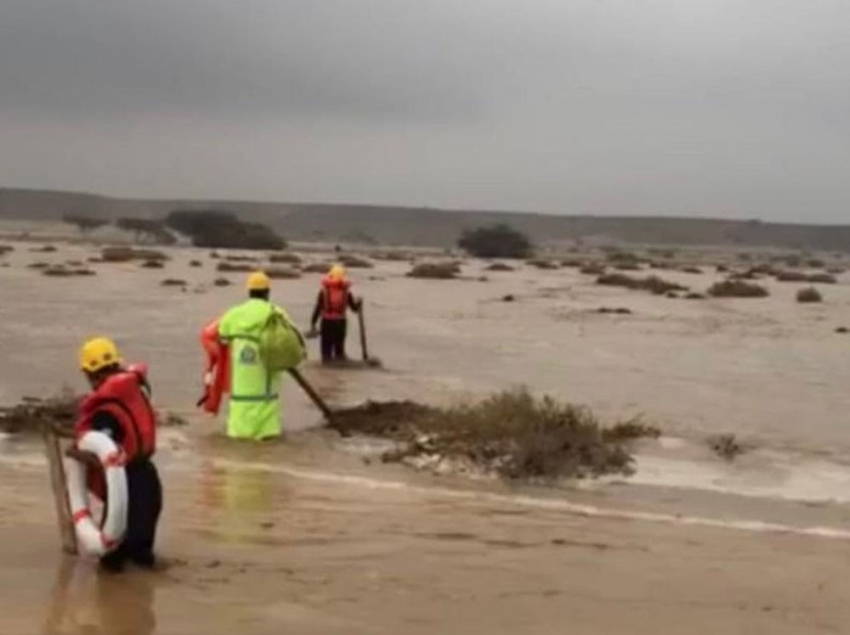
x: 733, y: 108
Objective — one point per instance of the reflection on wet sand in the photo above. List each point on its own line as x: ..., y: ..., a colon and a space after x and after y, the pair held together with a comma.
x: 236, y: 502
x: 86, y: 602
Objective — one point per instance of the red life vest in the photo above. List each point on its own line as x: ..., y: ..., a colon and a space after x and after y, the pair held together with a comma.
x: 334, y: 298
x: 123, y: 396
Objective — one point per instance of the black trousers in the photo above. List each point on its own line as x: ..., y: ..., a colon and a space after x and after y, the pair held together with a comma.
x: 333, y: 339
x: 144, y: 505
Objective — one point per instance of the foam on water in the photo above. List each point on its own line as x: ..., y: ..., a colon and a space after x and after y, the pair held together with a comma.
x: 558, y: 504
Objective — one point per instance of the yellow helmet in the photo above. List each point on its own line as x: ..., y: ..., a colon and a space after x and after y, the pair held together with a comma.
x: 97, y: 354
x: 337, y: 272
x: 258, y: 281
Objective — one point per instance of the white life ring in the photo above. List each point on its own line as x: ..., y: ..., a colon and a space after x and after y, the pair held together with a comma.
x: 98, y: 541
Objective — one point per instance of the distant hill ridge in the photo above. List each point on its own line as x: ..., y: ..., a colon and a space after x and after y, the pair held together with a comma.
x: 436, y: 227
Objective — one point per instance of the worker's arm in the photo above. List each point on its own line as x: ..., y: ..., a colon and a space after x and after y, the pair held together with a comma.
x: 225, y: 326
x: 317, y: 311
x: 107, y: 424
x: 101, y: 422
x: 354, y: 303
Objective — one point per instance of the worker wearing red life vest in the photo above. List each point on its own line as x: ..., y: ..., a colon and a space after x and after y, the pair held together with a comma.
x: 332, y: 305
x: 119, y: 406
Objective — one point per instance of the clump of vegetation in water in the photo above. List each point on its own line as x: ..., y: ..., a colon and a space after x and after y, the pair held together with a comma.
x: 737, y: 289
x: 128, y: 254
x: 653, y: 284
x: 285, y: 258
x: 355, y: 262
x: 435, y: 270
x: 58, y: 412
x: 809, y: 295
x: 511, y: 433
x: 726, y: 446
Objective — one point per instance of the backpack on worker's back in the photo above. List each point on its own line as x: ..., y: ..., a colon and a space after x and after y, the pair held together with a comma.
x: 281, y: 345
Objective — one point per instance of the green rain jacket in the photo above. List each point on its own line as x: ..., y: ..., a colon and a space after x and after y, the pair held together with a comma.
x: 254, y: 411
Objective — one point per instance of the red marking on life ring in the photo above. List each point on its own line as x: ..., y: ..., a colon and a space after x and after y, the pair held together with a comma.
x: 115, y: 459
x: 108, y: 543
x: 80, y: 515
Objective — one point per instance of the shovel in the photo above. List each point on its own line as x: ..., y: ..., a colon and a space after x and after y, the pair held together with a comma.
x: 364, y: 348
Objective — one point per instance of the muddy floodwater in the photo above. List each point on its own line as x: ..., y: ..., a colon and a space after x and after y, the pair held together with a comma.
x: 314, y: 535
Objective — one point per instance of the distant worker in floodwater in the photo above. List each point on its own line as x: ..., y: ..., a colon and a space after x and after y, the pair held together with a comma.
x: 119, y: 406
x: 257, y: 334
x: 335, y: 298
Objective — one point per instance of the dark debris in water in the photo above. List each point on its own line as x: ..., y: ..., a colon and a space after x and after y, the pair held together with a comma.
x: 60, y: 412
x: 32, y: 413
x: 512, y: 434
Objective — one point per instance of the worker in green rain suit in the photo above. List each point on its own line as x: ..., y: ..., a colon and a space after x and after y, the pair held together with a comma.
x: 254, y: 411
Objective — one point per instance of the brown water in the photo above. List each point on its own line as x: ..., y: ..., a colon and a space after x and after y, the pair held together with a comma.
x: 304, y: 536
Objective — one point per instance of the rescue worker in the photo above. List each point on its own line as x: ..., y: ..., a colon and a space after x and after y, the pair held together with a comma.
x: 254, y: 411
x: 332, y: 304
x: 119, y: 406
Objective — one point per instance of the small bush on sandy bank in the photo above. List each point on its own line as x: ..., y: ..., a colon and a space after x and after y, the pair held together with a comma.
x: 317, y: 267
x: 391, y: 256
x: 6, y: 249
x: 195, y: 264
x: 692, y: 270
x: 622, y: 257
x: 39, y: 265
x: 128, y: 254
x: 282, y: 273
x: 240, y: 258
x: 842, y: 329
x: 355, y: 262
x: 222, y: 282
x: 435, y: 270
x: 173, y: 282
x: 822, y: 278
x: 542, y: 263
x: 654, y: 284
x: 604, y: 310
x: 61, y: 271
x: 593, y: 270
x: 511, y: 433
x: 572, y: 263
x: 153, y: 264
x: 809, y: 295
x: 797, y: 276
x: 628, y: 266
x: 235, y: 267
x: 499, y: 266
x: 44, y: 249
x: 737, y: 289
x: 285, y: 259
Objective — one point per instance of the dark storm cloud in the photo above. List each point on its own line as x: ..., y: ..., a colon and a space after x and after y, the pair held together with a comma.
x: 712, y: 107
x: 252, y: 57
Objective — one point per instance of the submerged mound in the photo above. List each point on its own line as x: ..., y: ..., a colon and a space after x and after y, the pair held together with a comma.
x: 512, y: 434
